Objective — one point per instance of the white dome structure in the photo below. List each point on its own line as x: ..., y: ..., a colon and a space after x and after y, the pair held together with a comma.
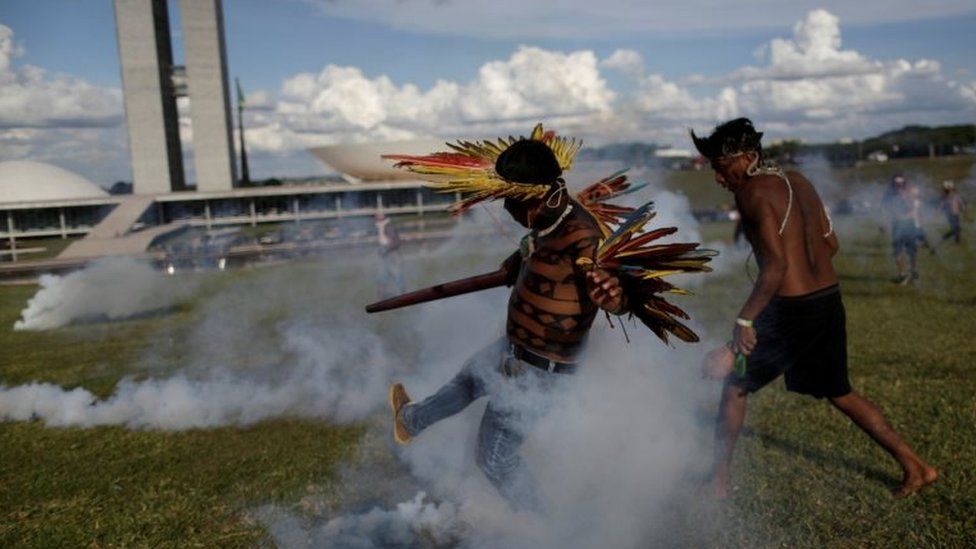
x: 27, y: 181
x: 363, y: 160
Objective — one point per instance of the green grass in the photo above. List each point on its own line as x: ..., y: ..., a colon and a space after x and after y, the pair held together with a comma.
x: 53, y: 245
x: 803, y: 475
x: 110, y: 487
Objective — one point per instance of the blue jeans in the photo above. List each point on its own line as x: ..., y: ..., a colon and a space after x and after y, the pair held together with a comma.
x: 517, y: 393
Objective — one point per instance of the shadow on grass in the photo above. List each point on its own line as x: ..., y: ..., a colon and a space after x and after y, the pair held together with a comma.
x: 822, y: 458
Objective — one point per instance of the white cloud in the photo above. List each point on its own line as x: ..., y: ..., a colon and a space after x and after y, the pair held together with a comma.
x: 629, y: 62
x: 31, y: 97
x: 59, y: 119
x: 806, y: 85
x: 814, y: 51
x: 537, y: 82
x: 344, y: 104
x: 803, y: 85
x: 810, y: 86
x: 576, y: 19
x: 8, y: 49
x: 810, y: 78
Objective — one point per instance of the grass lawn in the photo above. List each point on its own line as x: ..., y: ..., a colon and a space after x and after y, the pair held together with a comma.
x: 807, y: 477
x: 804, y: 476
x: 53, y: 245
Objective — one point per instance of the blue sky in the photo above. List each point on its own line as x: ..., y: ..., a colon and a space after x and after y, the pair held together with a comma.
x: 424, y: 68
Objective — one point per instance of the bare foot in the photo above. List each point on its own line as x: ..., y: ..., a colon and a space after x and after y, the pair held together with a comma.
x: 917, y: 477
x: 721, y: 487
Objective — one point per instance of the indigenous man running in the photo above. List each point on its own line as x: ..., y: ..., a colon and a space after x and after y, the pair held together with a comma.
x: 551, y: 308
x: 793, y: 322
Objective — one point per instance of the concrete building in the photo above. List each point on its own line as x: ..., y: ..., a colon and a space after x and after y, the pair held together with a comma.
x: 151, y: 83
x: 40, y: 200
x: 146, y: 56
x: 206, y: 80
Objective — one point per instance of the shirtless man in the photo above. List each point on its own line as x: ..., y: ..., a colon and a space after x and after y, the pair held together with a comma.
x: 793, y: 322
x: 550, y: 310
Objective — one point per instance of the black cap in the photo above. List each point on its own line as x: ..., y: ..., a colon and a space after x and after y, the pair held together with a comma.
x: 528, y: 161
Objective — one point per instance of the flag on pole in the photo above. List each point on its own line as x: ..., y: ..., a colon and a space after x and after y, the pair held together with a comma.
x: 240, y: 95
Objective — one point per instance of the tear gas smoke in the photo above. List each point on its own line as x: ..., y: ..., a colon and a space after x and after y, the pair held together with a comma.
x: 340, y: 374
x: 110, y: 288
x: 404, y: 526
x: 615, y: 454
x: 612, y: 455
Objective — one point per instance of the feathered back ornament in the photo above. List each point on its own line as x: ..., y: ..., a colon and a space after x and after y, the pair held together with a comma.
x: 595, y: 196
x: 641, y: 266
x: 469, y: 168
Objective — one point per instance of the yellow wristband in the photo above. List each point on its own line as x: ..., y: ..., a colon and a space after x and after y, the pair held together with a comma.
x: 743, y: 322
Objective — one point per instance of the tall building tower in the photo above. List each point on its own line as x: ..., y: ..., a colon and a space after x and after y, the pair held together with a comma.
x: 151, y: 84
x: 206, y: 80
x: 146, y: 55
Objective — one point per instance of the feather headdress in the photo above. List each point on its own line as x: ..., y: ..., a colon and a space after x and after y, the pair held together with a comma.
x: 469, y: 168
x: 626, y: 251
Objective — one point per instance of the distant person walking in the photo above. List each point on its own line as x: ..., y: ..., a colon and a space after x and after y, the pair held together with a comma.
x: 738, y: 232
x: 953, y: 206
x: 902, y: 206
x: 390, y: 276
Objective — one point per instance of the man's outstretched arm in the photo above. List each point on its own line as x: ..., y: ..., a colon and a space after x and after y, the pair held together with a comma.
x: 772, y: 270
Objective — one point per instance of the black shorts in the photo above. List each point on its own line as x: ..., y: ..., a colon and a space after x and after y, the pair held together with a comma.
x: 805, y: 339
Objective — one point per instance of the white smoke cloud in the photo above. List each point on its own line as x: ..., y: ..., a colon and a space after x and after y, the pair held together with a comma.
x: 241, y: 368
x: 327, y: 378
x: 109, y: 288
x: 405, y: 526
x: 612, y: 455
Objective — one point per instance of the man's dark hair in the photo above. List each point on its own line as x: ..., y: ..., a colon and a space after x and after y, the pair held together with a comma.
x: 733, y: 137
x: 528, y: 161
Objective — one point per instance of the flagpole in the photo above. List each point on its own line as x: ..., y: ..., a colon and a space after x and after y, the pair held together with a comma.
x: 245, y: 174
